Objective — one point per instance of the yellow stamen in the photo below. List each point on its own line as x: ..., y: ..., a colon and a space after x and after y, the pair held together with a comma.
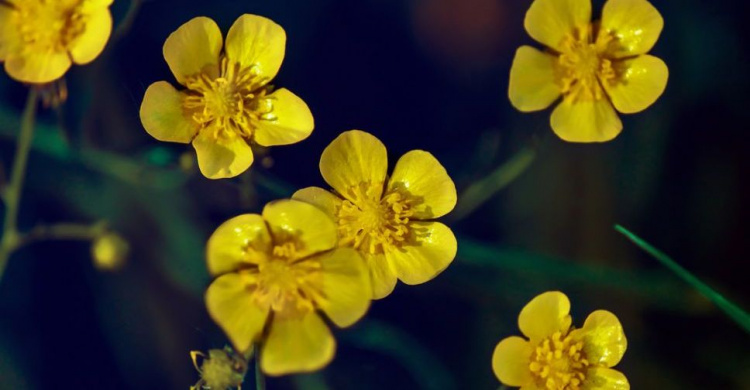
x: 582, y: 66
x: 49, y: 26
x: 233, y: 103
x: 558, y: 363
x: 371, y: 222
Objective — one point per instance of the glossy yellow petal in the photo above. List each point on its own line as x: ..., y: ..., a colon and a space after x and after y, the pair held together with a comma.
x: 90, y: 43
x: 291, y: 120
x: 224, y: 156
x: 551, y: 21
x: 600, y: 378
x: 231, y: 306
x: 194, y: 48
x: 546, y: 314
x: 255, y: 41
x: 323, y: 199
x: 239, y: 241
x: 532, y: 80
x: 419, y: 174
x: 346, y: 286
x: 585, y: 121
x: 162, y: 114
x: 604, y: 341
x: 635, y: 24
x: 354, y: 157
x: 641, y: 81
x: 309, y: 227
x: 9, y: 37
x: 422, y: 261
x: 382, y: 275
x: 510, y: 361
x: 296, y: 345
x: 37, y: 67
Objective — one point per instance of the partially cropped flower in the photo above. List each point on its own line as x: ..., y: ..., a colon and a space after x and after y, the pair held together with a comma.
x: 40, y: 39
x: 228, y: 102
x: 558, y: 357
x: 277, y: 273
x: 390, y: 221
x: 593, y: 65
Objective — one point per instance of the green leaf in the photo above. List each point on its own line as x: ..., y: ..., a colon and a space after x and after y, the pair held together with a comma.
x: 732, y: 310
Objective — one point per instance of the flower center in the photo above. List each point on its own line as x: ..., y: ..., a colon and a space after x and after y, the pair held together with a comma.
x: 582, y: 66
x: 285, y: 285
x: 372, y: 223
x: 558, y: 363
x: 49, y: 26
x: 233, y: 102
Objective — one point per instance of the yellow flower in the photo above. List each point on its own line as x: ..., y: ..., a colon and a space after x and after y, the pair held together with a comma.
x: 276, y: 271
x: 592, y: 65
x: 558, y: 357
x: 388, y: 220
x: 39, y: 39
x: 228, y: 102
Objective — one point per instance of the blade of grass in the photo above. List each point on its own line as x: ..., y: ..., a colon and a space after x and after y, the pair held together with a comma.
x: 733, y: 311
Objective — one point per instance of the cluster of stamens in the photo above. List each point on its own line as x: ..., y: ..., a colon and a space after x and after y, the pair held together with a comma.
x: 373, y: 223
x: 49, y: 27
x: 285, y: 284
x: 232, y: 103
x: 582, y: 66
x: 558, y: 363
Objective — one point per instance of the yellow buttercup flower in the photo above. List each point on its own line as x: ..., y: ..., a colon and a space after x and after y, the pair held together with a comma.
x: 228, y: 103
x: 594, y: 66
x: 39, y: 40
x: 388, y: 220
x: 276, y: 273
x: 558, y: 357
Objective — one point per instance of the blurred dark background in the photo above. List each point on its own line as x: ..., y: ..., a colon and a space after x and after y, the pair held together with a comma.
x: 419, y: 74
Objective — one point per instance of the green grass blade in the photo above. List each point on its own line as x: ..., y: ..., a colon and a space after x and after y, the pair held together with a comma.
x: 732, y: 310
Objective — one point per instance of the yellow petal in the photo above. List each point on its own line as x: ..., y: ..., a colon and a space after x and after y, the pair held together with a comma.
x: 510, y: 361
x: 224, y: 156
x: 297, y: 344
x: 194, y: 48
x: 600, y: 378
x: 291, y: 120
x: 642, y: 80
x: 9, y: 36
x: 382, y: 275
x: 585, y: 121
x: 603, y: 338
x: 433, y: 251
x: 546, y: 314
x: 323, y: 199
x: 243, y: 239
x: 346, y: 286
x: 636, y: 25
x: 255, y: 41
x: 532, y: 80
x: 309, y: 227
x: 37, y: 67
x: 231, y: 306
x: 90, y: 43
x: 551, y: 21
x: 419, y: 174
x: 354, y: 157
x: 162, y: 114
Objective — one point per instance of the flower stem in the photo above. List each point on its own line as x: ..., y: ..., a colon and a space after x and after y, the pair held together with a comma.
x: 12, y: 194
x: 260, y: 380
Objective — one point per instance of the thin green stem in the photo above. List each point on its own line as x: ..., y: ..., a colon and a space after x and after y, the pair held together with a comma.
x: 260, y: 380
x: 733, y: 311
x: 12, y: 194
x: 127, y: 21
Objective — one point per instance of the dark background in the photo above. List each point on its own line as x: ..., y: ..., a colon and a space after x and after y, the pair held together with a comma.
x: 419, y: 74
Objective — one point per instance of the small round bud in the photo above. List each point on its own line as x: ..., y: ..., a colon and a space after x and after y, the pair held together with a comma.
x: 109, y: 252
x: 221, y: 370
